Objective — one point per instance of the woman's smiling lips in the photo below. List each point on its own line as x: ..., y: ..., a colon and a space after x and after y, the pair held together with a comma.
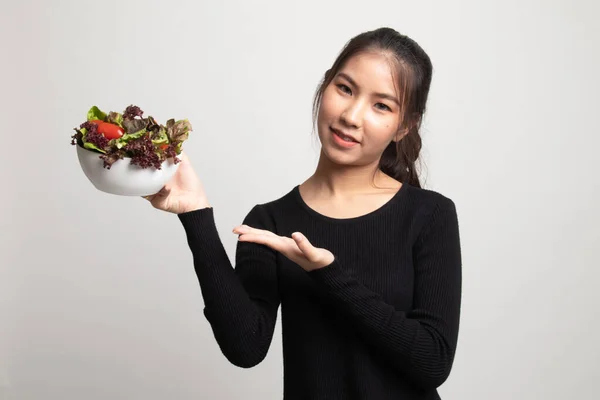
x: 342, y: 139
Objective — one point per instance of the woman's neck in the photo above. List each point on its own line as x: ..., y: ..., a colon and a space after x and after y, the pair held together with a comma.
x: 340, y: 181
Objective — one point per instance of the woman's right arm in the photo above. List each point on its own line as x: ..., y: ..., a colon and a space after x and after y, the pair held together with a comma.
x: 240, y: 304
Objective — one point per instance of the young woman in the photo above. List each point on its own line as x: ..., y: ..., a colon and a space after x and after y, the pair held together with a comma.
x: 365, y: 263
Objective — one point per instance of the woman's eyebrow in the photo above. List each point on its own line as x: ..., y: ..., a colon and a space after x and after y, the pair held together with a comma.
x: 381, y: 95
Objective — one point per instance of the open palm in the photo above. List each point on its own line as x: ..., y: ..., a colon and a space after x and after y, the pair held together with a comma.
x: 297, y: 248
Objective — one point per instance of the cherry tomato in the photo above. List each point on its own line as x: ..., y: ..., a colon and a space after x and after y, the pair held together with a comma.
x: 163, y: 146
x: 110, y: 131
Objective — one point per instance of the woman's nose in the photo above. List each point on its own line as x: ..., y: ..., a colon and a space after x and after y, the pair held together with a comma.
x: 352, y: 115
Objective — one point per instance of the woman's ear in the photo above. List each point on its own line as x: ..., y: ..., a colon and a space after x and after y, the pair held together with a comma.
x: 400, y: 134
x: 406, y: 130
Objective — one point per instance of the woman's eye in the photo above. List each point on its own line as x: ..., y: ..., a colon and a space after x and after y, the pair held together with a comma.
x: 384, y: 107
x: 344, y: 88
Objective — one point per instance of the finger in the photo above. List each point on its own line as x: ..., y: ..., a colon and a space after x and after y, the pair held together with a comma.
x: 249, y: 229
x: 309, y: 251
x: 284, y: 245
x: 274, y: 242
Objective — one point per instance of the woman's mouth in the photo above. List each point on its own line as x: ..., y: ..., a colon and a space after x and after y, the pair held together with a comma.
x: 343, y: 141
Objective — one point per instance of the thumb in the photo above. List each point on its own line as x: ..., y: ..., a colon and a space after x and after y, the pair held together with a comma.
x: 306, y: 247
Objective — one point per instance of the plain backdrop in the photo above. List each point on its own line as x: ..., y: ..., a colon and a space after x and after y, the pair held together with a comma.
x: 98, y: 296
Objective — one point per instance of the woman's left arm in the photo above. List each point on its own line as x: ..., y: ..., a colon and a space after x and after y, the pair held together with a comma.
x: 420, y: 343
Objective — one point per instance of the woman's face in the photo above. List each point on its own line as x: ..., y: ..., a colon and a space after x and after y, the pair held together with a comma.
x: 362, y: 102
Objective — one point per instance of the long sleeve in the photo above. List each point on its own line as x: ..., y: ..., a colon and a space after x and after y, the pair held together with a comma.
x: 240, y: 303
x: 420, y: 343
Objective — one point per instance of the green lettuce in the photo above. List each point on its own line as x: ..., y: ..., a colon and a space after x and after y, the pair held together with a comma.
x: 128, y: 137
x: 92, y: 146
x: 96, y: 113
x: 160, y: 137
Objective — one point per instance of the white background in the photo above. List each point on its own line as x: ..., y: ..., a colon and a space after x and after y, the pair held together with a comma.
x: 98, y: 297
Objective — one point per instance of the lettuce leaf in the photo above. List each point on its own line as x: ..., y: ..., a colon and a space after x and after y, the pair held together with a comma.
x: 115, y: 118
x: 96, y: 113
x: 134, y: 125
x: 92, y: 146
x: 178, y: 132
x: 160, y: 137
x: 128, y: 137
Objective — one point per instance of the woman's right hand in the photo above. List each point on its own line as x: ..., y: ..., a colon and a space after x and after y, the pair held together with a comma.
x: 183, y: 193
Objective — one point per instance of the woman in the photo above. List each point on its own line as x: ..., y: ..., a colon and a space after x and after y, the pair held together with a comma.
x: 365, y: 263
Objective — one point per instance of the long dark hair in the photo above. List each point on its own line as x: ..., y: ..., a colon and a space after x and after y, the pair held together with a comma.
x: 413, y: 74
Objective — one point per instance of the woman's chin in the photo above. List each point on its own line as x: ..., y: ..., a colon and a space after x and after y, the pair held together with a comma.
x: 338, y: 157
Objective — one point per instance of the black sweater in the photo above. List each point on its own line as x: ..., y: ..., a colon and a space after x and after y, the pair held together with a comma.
x: 380, y: 322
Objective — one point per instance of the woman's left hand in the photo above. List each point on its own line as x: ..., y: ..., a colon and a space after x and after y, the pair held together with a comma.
x: 297, y: 248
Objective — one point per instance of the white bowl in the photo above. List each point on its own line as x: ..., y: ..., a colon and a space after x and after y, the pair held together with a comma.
x: 123, y: 178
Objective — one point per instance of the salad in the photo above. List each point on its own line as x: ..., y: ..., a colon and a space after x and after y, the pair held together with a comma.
x: 115, y: 136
